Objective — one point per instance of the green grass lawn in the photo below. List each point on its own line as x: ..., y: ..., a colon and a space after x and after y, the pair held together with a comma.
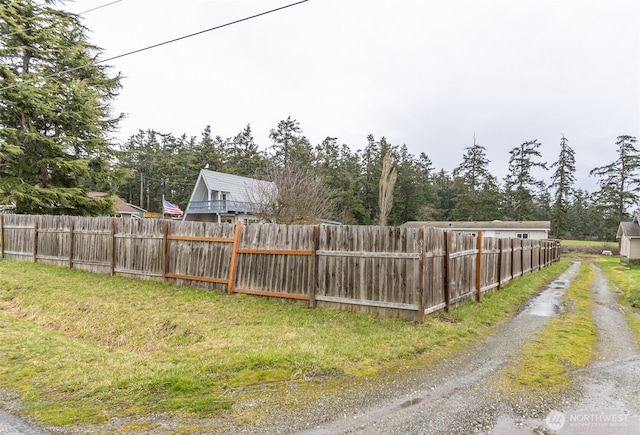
x: 82, y: 348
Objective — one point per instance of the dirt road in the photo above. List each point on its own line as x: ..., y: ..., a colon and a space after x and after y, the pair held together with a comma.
x: 459, y: 396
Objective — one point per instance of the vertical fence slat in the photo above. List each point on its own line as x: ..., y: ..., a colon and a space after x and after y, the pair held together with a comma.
x: 421, y: 276
x: 113, y: 246
x: 71, y: 240
x: 165, y: 249
x: 447, y: 296
x: 2, y: 236
x: 35, y: 239
x: 479, y: 267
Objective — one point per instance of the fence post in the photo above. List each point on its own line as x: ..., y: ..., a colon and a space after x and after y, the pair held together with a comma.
x: 513, y: 250
x: 165, y: 249
x: 447, y: 296
x: 421, y: 246
x: 499, y: 263
x: 113, y: 246
x: 479, y: 267
x: 35, y: 239
x: 234, y: 257
x: 2, y: 235
x: 71, y: 241
x: 522, y: 256
x: 314, y: 267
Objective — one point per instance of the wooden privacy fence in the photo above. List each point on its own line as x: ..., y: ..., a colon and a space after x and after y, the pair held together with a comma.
x: 388, y: 271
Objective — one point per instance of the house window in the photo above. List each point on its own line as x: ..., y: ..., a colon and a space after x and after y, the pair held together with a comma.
x: 522, y: 235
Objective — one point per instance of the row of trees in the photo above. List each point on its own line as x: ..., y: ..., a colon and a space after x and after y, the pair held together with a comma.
x: 55, y: 146
x: 356, y: 183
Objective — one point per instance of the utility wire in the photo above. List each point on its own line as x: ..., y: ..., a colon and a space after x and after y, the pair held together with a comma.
x: 154, y: 45
x: 99, y: 7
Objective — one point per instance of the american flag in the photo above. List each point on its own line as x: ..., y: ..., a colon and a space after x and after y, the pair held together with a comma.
x: 171, y: 209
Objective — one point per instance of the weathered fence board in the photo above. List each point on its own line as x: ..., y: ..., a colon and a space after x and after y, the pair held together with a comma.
x: 54, y: 240
x: 199, y: 254
x: 386, y: 271
x: 490, y: 264
x: 138, y: 247
x: 384, y: 277
x: 283, y: 256
x: 92, y: 244
x: 434, y: 274
x: 19, y: 237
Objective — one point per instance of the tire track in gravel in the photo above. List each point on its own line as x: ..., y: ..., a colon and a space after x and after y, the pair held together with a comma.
x: 457, y: 396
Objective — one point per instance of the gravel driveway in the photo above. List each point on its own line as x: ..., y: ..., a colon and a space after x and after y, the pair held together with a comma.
x: 458, y: 395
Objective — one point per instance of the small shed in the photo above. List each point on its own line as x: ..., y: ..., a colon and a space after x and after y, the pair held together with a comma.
x: 629, y: 237
x: 536, y: 230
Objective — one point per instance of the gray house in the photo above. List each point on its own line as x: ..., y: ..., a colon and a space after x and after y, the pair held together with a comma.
x: 220, y: 197
x: 536, y: 230
x: 629, y: 237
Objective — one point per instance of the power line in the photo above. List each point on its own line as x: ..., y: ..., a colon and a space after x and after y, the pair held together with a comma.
x: 155, y: 45
x: 99, y: 7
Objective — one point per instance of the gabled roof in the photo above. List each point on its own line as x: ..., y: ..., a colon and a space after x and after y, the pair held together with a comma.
x: 480, y: 225
x: 236, y: 186
x: 628, y: 229
x: 119, y: 205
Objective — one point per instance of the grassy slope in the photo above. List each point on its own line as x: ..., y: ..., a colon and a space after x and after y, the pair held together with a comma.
x: 80, y: 347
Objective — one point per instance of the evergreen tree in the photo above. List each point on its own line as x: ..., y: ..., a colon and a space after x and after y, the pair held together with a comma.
x: 412, y: 188
x: 242, y: 156
x: 562, y: 182
x: 289, y: 145
x: 619, y: 183
x: 339, y: 170
x: 54, y: 112
x: 446, y: 197
x: 521, y: 187
x: 475, y: 185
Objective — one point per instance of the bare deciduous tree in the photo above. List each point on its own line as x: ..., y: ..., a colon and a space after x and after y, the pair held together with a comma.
x: 295, y: 197
x: 387, y: 183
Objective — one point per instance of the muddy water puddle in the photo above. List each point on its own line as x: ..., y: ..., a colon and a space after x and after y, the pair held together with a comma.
x: 549, y: 302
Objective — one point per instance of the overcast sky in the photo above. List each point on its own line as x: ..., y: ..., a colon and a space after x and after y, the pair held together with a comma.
x: 428, y: 74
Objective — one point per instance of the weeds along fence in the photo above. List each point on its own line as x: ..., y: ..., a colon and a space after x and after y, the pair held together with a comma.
x: 387, y: 271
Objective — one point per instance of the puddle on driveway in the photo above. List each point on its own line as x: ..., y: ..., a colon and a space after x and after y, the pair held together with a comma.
x: 549, y: 302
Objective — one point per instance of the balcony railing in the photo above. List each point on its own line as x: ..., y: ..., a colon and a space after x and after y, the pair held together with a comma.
x: 221, y: 206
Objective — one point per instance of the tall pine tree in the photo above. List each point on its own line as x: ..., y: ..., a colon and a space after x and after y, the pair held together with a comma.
x: 521, y: 186
x: 55, y: 113
x: 562, y: 182
x: 619, y: 183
